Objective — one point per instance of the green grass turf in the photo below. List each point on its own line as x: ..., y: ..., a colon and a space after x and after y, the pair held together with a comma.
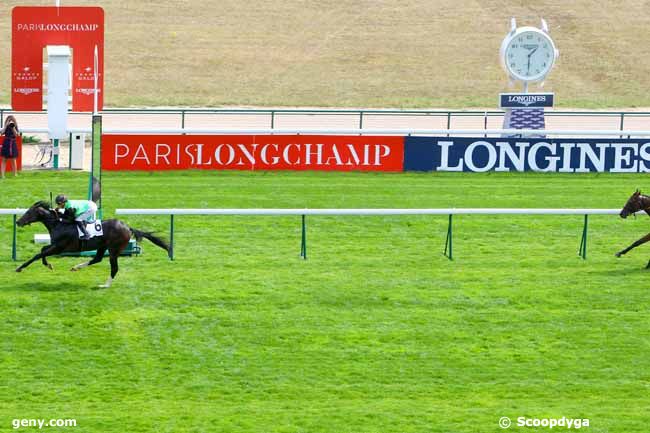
x: 376, y: 332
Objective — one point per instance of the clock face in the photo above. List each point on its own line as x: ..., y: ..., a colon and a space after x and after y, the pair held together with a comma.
x: 529, y: 55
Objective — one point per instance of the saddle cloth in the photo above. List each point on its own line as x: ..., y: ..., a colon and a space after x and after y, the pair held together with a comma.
x: 94, y: 229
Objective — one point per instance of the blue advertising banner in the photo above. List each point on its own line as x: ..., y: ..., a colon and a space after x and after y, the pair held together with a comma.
x: 526, y: 100
x: 577, y: 155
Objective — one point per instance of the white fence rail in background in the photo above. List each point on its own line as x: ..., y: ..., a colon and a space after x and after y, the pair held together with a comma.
x: 304, y: 212
x: 378, y: 131
x: 334, y: 119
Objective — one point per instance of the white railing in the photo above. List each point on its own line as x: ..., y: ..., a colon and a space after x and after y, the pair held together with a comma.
x: 304, y: 212
x: 357, y: 131
x: 436, y: 211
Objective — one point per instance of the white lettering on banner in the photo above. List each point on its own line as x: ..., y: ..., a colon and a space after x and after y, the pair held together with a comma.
x: 644, y: 152
x: 587, y: 151
x: 187, y: 152
x: 566, y: 157
x: 379, y: 154
x: 285, y: 154
x: 532, y: 157
x: 543, y: 156
x: 165, y: 155
x: 518, y: 160
x: 444, y: 157
x: 119, y: 155
x: 623, y: 154
x: 49, y: 27
x: 226, y: 154
x: 318, y: 153
x: 469, y: 154
x: 527, y: 99
x: 140, y: 153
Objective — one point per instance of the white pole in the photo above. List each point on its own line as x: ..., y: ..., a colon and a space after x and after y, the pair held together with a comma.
x: 96, y: 74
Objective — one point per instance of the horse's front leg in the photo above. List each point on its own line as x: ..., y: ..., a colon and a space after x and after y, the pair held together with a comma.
x: 641, y: 241
x: 44, y: 259
x: 45, y: 251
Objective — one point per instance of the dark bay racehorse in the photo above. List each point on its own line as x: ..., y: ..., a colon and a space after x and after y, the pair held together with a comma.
x: 636, y: 202
x: 65, y: 238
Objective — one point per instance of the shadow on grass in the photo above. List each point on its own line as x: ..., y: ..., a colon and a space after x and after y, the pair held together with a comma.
x: 36, y: 285
x: 629, y: 270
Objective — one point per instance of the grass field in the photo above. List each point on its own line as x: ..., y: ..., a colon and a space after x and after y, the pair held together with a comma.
x: 376, y: 332
x: 356, y: 53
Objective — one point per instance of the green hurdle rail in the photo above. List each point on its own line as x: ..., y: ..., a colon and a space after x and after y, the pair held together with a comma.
x: 303, y: 213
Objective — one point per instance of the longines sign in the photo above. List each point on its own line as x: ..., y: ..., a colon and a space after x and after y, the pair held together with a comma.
x: 499, y: 154
x: 526, y: 100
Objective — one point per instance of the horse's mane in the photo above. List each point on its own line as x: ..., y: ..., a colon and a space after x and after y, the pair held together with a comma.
x: 43, y: 204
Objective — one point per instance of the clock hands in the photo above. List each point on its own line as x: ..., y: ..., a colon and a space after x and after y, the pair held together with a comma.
x: 530, y: 54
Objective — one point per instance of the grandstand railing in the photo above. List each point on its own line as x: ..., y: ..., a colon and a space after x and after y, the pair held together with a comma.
x: 335, y: 118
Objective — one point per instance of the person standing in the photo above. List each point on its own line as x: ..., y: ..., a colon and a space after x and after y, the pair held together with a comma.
x: 9, y: 146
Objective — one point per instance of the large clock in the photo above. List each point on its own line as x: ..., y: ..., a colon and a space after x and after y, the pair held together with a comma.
x: 528, y: 53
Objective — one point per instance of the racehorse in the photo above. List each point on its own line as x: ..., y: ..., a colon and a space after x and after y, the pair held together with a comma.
x: 65, y: 238
x: 636, y: 202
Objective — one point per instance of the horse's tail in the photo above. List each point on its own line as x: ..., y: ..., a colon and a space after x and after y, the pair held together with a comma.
x: 148, y: 235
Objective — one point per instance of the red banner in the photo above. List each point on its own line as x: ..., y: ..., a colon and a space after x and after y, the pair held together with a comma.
x: 36, y: 27
x: 252, y: 152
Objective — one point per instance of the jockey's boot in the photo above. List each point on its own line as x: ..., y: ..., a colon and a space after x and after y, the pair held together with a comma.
x: 82, y: 227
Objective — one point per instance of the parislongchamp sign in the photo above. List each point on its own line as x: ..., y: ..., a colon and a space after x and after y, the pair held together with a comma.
x: 252, y: 152
x: 34, y: 28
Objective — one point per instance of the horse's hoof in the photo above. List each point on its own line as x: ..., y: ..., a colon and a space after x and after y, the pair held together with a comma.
x: 73, y: 269
x: 50, y: 267
x: 19, y: 269
x: 618, y: 254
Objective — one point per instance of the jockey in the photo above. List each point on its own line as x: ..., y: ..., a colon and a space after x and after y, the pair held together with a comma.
x: 84, y: 211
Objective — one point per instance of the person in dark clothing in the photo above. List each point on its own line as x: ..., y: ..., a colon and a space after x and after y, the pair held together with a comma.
x: 9, y: 147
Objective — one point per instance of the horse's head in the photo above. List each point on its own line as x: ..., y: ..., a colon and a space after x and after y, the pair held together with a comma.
x: 39, y: 211
x: 633, y: 204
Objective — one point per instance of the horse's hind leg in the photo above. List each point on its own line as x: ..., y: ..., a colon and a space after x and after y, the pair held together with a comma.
x: 113, y: 255
x: 98, y: 258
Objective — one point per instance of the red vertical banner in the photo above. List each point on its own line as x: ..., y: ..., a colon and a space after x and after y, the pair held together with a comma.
x: 36, y: 27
